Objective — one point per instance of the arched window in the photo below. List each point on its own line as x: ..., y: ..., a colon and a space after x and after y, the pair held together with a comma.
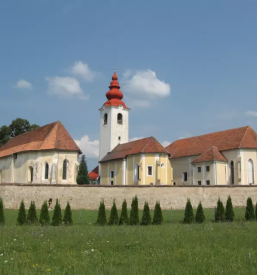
x: 232, y: 172
x: 119, y: 118
x: 250, y: 172
x: 64, y: 169
x: 46, y: 171
x: 105, y: 118
x: 30, y: 177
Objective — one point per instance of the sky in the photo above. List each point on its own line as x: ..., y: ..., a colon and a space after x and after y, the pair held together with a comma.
x: 186, y: 67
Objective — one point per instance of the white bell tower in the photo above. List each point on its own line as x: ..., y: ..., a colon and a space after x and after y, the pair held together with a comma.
x: 114, y: 119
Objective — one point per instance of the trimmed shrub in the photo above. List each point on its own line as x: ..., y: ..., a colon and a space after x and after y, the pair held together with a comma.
x: 2, y: 217
x: 67, y: 218
x: 134, y: 216
x: 32, y: 213
x: 21, y: 220
x: 199, y: 216
x: 219, y: 212
x: 229, y: 213
x: 114, y: 218
x: 82, y: 177
x: 44, y: 217
x: 146, y: 218
x: 57, y: 216
x: 124, y: 214
x: 157, y: 216
x: 101, y: 219
x: 189, y: 214
x: 249, y: 211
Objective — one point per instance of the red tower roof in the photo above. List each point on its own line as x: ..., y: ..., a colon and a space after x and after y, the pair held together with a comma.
x: 114, y: 95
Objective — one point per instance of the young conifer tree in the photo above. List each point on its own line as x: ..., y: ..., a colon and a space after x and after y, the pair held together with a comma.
x: 157, y: 216
x: 82, y: 177
x: 189, y: 214
x: 146, y: 218
x: 2, y: 217
x: 57, y: 216
x: 114, y: 219
x: 249, y: 211
x: 199, y: 216
x: 229, y: 213
x: 134, y: 216
x: 219, y: 212
x: 32, y: 213
x: 101, y: 219
x: 124, y: 214
x: 256, y: 211
x: 44, y: 217
x: 21, y: 220
x: 67, y: 218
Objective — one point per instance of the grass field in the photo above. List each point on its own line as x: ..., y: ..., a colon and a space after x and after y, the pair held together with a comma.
x: 172, y: 248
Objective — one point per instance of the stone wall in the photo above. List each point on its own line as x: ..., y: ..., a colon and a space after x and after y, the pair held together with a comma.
x: 88, y: 197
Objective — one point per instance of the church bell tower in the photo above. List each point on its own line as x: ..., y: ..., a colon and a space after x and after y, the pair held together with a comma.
x: 114, y: 119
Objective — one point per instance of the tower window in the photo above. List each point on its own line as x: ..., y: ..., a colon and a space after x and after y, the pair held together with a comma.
x: 119, y: 118
x: 119, y: 138
x: 105, y: 118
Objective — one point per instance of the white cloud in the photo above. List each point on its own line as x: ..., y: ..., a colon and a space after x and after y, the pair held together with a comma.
x: 165, y: 143
x: 23, y: 84
x: 135, y: 138
x: 65, y: 87
x: 89, y: 147
x: 81, y: 69
x: 251, y: 113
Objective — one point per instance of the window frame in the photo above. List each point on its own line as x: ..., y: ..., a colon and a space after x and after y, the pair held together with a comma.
x: 66, y: 170
x: 199, y: 169
x: 46, y: 171
x: 183, y: 176
x: 105, y: 119
x: 120, y: 121
x: 148, y: 170
x: 199, y: 181
x: 208, y: 181
x: 207, y: 170
x: 112, y: 174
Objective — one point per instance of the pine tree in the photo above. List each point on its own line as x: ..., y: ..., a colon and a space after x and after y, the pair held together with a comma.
x: 57, y: 216
x: 101, y: 219
x: 67, y: 218
x: 124, y: 214
x: 256, y: 211
x: 2, y: 218
x: 44, y: 218
x: 157, y: 216
x: 146, y: 218
x: 189, y: 214
x: 249, y: 211
x: 82, y: 177
x: 114, y: 219
x: 199, y: 216
x: 32, y: 213
x: 21, y: 220
x: 229, y: 213
x: 219, y: 212
x: 134, y: 216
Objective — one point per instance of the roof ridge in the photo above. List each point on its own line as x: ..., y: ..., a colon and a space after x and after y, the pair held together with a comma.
x: 57, y: 130
x: 243, y: 136
x: 146, y: 145
x: 48, y: 134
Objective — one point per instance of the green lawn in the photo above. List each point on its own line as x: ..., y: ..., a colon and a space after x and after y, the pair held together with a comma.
x: 172, y: 248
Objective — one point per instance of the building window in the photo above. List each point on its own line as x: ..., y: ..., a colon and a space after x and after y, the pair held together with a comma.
x: 199, y: 182
x: 207, y: 168
x: 105, y: 118
x: 119, y: 138
x: 149, y: 170
x: 46, y: 170
x: 112, y: 174
x: 138, y: 171
x: 15, y: 155
x: 112, y: 182
x: 184, y: 176
x: 31, y: 174
x: 250, y: 172
x: 232, y: 172
x: 64, y: 169
x: 119, y: 118
x: 199, y: 169
x: 207, y: 182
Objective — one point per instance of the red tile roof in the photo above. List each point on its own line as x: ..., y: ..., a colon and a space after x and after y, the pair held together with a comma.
x: 144, y: 145
x: 244, y: 137
x: 94, y: 174
x: 212, y: 154
x: 49, y: 137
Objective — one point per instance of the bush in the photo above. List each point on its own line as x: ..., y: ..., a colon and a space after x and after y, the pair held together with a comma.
x: 199, y: 216
x: 229, y: 213
x: 57, y: 216
x: 101, y: 219
x: 82, y: 177
x: 157, y: 216
x: 67, y: 218
x: 2, y: 218
x: 44, y: 217
x: 219, y: 212
x: 114, y: 219
x: 189, y: 214
x: 32, y: 213
x: 134, y: 216
x: 249, y: 211
x: 124, y: 214
x: 146, y: 218
x: 21, y: 220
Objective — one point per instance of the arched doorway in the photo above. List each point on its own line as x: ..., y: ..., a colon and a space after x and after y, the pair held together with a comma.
x: 232, y: 172
x: 30, y: 177
x: 250, y: 172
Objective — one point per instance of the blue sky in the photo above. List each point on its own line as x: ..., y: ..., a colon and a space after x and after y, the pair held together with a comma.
x: 186, y: 67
